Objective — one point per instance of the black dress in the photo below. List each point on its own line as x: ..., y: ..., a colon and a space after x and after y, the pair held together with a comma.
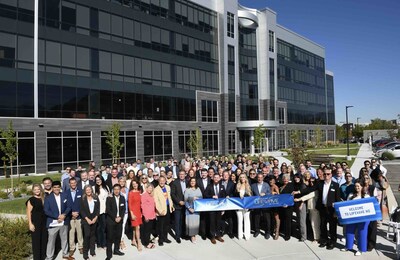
x: 39, y: 236
x: 285, y: 214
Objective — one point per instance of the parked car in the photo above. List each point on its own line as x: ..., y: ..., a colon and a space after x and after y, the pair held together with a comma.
x: 395, y: 150
x: 381, y: 142
x: 388, y: 145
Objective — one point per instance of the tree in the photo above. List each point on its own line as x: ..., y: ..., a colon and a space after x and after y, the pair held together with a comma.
x: 195, y: 143
x: 259, y: 136
x: 378, y: 124
x: 318, y: 136
x: 297, y: 151
x: 9, y: 147
x: 340, y: 133
x: 113, y: 142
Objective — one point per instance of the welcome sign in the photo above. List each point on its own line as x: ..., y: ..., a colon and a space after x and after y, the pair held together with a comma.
x: 253, y: 202
x: 355, y: 211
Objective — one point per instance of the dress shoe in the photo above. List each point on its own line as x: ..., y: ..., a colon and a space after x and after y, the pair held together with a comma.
x: 80, y: 250
x: 287, y: 238
x: 118, y: 253
x: 160, y: 243
x: 213, y: 241
x: 178, y: 240
x: 167, y: 241
x: 204, y: 237
x: 267, y: 236
x: 71, y: 252
x: 322, y: 245
x: 220, y: 239
x: 302, y: 240
x: 329, y: 247
x: 69, y: 258
x: 256, y: 233
x: 231, y: 236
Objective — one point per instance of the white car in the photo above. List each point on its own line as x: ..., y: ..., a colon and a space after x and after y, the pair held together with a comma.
x: 395, y: 150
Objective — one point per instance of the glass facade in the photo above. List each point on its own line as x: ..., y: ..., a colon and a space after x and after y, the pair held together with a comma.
x: 301, y: 83
x: 184, y: 137
x: 157, y: 145
x: 331, y: 99
x: 128, y: 151
x: 249, y: 107
x: 25, y: 162
x: 231, y: 141
x: 210, y: 143
x: 231, y: 84
x: 68, y: 148
x: 209, y: 111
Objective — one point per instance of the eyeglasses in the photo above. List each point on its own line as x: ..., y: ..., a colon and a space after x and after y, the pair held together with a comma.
x: 327, y: 174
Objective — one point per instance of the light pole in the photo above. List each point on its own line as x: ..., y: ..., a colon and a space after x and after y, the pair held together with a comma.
x: 347, y: 133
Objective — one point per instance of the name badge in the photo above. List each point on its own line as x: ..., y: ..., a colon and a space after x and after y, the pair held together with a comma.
x: 122, y: 204
x: 78, y: 196
x: 332, y: 189
x: 95, y: 200
x: 65, y: 200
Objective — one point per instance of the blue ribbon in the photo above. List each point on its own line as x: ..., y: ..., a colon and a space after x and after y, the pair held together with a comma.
x: 253, y: 202
x: 359, y: 210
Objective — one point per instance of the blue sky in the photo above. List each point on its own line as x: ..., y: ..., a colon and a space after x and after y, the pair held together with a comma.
x: 362, y: 46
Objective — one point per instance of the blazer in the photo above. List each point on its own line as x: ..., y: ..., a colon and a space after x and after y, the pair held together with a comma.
x: 51, y: 208
x: 65, y: 183
x: 74, y: 203
x: 230, y: 188
x: 79, y: 184
x: 177, y: 193
x: 201, y: 186
x: 111, y: 208
x: 210, y: 192
x: 85, y: 211
x: 264, y: 189
x: 159, y: 199
x: 333, y: 194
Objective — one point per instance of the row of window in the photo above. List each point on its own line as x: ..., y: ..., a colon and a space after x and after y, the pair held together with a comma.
x: 297, y: 76
x: 295, y: 54
x: 299, y: 96
x: 247, y: 38
x: 209, y: 111
x: 128, y: 151
x: 76, y: 60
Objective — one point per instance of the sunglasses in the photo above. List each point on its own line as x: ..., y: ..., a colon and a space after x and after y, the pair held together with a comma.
x: 327, y: 174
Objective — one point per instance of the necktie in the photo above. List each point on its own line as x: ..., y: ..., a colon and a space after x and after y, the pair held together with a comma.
x: 216, y: 190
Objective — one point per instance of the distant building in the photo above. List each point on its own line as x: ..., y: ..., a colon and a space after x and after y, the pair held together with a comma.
x: 161, y: 69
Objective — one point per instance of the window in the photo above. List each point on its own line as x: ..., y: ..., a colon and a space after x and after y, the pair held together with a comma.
x: 210, y: 142
x: 271, y: 79
x: 281, y: 115
x: 183, y: 138
x: 128, y: 151
x: 7, y: 50
x: 231, y: 141
x: 157, y: 145
x: 209, y: 111
x: 68, y: 148
x: 271, y: 41
x: 230, y: 25
x: 231, y: 55
x: 68, y: 16
x: 26, y: 154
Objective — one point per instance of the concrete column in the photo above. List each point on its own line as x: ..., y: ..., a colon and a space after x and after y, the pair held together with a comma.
x: 140, y: 145
x: 41, y: 151
x: 96, y: 147
x: 175, y: 144
x: 252, y: 148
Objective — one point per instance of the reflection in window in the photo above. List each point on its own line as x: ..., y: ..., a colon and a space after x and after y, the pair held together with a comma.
x: 128, y: 151
x: 157, y: 145
x: 210, y: 143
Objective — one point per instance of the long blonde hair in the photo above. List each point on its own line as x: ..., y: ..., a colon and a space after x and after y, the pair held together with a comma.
x: 246, y: 184
x: 41, y: 191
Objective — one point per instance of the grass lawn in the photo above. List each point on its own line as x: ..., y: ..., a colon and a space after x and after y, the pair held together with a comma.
x: 6, y: 183
x: 16, y: 206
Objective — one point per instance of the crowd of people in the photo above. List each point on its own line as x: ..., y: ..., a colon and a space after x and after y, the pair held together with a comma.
x: 147, y: 204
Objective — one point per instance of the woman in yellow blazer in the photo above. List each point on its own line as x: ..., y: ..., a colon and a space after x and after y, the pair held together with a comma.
x: 164, y: 207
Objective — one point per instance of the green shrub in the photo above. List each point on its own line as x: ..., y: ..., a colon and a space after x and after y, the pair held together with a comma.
x: 387, y: 156
x: 23, y: 189
x: 17, y: 194
x: 3, y: 195
x: 15, y: 240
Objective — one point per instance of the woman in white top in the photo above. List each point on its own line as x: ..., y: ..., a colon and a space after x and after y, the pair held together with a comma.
x: 243, y: 189
x: 102, y: 192
x: 124, y: 192
x: 362, y: 227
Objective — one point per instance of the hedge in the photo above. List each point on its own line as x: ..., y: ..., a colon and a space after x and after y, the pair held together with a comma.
x: 15, y: 240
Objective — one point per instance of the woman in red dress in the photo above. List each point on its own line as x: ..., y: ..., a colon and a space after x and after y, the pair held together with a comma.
x: 135, y: 212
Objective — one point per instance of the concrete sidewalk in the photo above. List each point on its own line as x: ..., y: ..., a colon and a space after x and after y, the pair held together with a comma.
x: 255, y: 248
x: 365, y: 153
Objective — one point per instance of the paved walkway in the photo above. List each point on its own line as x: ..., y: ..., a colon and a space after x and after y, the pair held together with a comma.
x: 365, y: 153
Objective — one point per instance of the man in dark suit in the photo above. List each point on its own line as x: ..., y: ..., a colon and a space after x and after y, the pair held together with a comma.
x: 178, y: 188
x: 202, y: 183
x: 329, y: 193
x: 261, y: 188
x: 84, y: 181
x: 57, y: 211
x: 74, y: 196
x: 215, y: 191
x: 115, y: 210
x: 65, y: 183
x: 229, y: 189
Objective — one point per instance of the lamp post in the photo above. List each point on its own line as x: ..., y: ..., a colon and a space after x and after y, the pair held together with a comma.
x: 347, y: 133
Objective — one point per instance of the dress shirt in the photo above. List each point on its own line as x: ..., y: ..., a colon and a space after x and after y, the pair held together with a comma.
x: 259, y: 185
x: 225, y: 183
x: 325, y: 192
x: 183, y: 186
x: 73, y: 193
x: 216, y: 189
x: 91, y: 205
x: 58, y: 201
x: 117, y: 202
x: 205, y: 182
x: 84, y: 183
